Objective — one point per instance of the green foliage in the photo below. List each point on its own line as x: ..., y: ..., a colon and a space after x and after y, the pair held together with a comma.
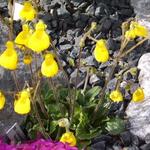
x: 83, y: 125
x: 115, y: 126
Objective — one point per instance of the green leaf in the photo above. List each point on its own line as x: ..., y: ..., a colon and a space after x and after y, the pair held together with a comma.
x: 92, y: 93
x: 53, y: 125
x: 115, y: 126
x: 84, y: 131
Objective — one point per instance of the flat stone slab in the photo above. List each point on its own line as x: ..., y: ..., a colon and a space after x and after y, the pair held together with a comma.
x: 139, y: 113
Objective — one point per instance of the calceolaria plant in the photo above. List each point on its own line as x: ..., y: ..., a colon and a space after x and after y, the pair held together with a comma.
x: 69, y: 114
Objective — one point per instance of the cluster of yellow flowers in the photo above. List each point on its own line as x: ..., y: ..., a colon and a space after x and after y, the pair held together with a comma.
x: 138, y: 95
x: 28, y: 40
x: 136, y: 30
x: 37, y: 41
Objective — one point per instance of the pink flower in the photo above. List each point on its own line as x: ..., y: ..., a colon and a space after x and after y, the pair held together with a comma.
x: 39, y: 144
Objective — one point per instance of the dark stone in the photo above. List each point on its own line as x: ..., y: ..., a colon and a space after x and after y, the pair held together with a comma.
x: 145, y: 147
x: 132, y: 148
x: 46, y: 17
x: 74, y: 53
x: 147, y: 138
x: 17, y: 27
x: 76, y: 15
x: 93, y: 79
x: 90, y: 10
x: 106, y: 138
x: 101, y: 10
x: 76, y: 3
x: 80, y: 24
x: 65, y: 47
x: 135, y: 140
x: 126, y: 138
x: 84, y: 17
x: 90, y: 61
x: 126, y: 12
x: 105, y: 24
x: 117, y: 147
x: 80, y: 80
x: 99, y: 146
x: 111, y: 44
x: 54, y: 23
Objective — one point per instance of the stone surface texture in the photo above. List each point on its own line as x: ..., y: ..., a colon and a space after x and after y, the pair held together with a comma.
x: 138, y: 113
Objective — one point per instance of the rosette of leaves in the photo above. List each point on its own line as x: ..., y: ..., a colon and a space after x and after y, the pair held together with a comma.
x: 83, y: 125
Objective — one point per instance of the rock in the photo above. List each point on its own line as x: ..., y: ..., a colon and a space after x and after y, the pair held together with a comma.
x: 98, y: 146
x: 80, y: 80
x: 138, y: 113
x: 105, y: 24
x: 131, y: 148
x: 126, y: 138
x: 141, y: 8
x: 90, y: 61
x: 90, y: 10
x: 65, y: 47
x: 93, y: 79
x: 108, y: 139
x: 147, y: 138
x: 135, y: 140
x: 101, y: 10
x: 145, y: 147
x: 117, y: 147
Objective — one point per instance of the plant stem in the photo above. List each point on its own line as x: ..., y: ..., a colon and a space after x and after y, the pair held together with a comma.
x: 76, y: 81
x: 132, y: 48
x: 15, y: 80
x: 36, y: 110
x: 86, y: 80
x: 67, y: 77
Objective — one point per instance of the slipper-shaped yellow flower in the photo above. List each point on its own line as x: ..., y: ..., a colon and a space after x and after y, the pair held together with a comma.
x: 69, y: 138
x: 28, y: 12
x: 2, y: 100
x: 138, y: 95
x: 136, y: 30
x: 23, y: 37
x: 9, y: 57
x: 22, y: 105
x: 101, y: 53
x: 116, y: 96
x: 39, y: 40
x: 49, y: 67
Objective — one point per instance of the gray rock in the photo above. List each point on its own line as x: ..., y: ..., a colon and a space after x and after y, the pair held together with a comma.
x: 145, y: 147
x: 98, y: 146
x: 93, y: 79
x: 141, y: 8
x: 90, y: 10
x: 126, y: 138
x: 65, y: 47
x: 138, y: 113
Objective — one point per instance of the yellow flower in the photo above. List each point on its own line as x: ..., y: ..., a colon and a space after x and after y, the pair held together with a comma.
x: 69, y: 138
x: 116, y: 96
x: 22, y: 103
x: 130, y: 35
x: 2, y: 100
x: 23, y: 37
x: 138, y: 95
x: 39, y: 40
x: 49, y: 66
x: 9, y: 57
x: 27, y: 59
x: 136, y: 30
x: 27, y: 13
x: 101, y: 53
